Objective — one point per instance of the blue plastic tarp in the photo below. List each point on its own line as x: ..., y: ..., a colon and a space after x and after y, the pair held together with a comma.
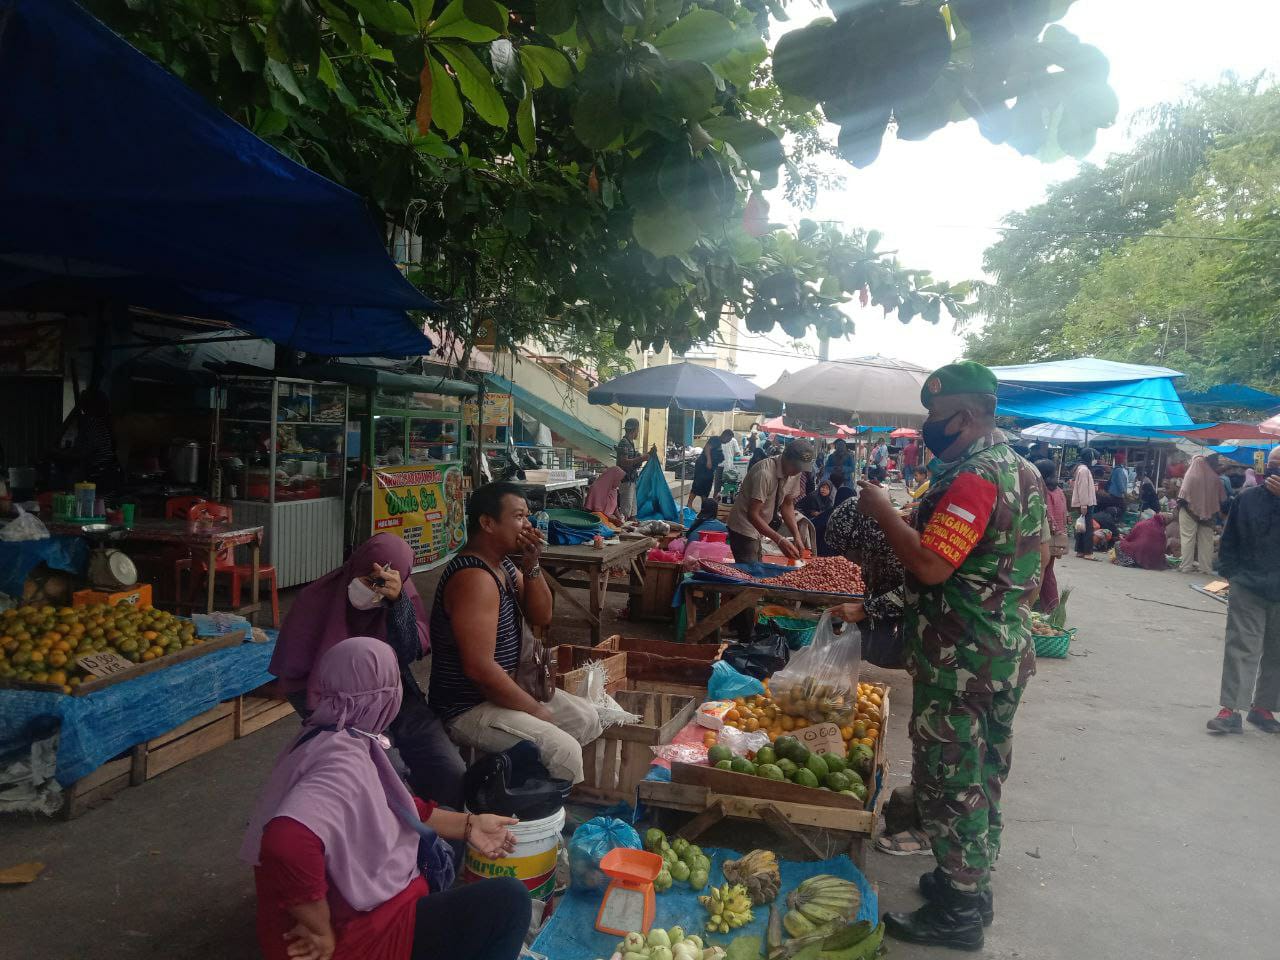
x: 1236, y: 395
x: 570, y: 934
x: 119, y: 182
x: 101, y: 725
x: 1133, y: 408
x: 653, y: 494
x: 19, y: 557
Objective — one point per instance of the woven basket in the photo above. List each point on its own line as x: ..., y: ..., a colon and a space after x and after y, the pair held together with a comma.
x: 1054, y: 647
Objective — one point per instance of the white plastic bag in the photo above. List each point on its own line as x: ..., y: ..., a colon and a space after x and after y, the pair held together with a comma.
x: 27, y: 526
x: 820, y: 682
x: 592, y: 688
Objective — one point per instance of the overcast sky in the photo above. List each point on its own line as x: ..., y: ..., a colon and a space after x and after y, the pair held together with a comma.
x: 936, y: 201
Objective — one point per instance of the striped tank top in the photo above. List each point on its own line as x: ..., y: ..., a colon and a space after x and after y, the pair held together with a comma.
x: 452, y: 692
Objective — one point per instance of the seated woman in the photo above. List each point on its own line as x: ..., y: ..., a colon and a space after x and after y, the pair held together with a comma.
x: 602, y: 495
x: 477, y: 627
x: 336, y: 846
x: 1144, y: 546
x: 372, y: 595
x: 819, y: 502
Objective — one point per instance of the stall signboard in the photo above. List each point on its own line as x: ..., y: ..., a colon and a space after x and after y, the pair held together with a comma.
x: 497, y: 410
x: 423, y: 505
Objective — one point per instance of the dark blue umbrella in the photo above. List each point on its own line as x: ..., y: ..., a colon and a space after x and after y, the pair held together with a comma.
x: 684, y: 385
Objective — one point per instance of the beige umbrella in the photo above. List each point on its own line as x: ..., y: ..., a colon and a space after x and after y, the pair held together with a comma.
x: 873, y: 391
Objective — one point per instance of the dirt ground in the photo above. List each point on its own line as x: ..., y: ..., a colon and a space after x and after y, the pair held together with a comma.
x: 1130, y: 832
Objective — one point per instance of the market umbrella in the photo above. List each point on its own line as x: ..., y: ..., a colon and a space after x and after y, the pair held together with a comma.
x: 872, y: 390
x: 776, y: 425
x: 688, y: 386
x: 1271, y: 426
x: 903, y: 433
x: 1055, y: 432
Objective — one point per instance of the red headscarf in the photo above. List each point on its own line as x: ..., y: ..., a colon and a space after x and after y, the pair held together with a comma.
x: 321, y: 616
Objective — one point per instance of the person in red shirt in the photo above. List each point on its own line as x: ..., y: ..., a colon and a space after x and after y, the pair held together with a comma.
x: 337, y: 839
x: 910, y: 460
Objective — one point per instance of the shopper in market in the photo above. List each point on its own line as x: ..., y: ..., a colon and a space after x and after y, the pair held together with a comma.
x: 1148, y: 496
x: 841, y: 461
x: 910, y: 459
x: 630, y: 460
x: 339, y: 845
x: 1250, y: 561
x: 1055, y: 504
x: 602, y: 495
x: 1143, y: 546
x: 732, y: 453
x: 1084, y: 498
x: 1200, y: 500
x: 973, y: 563
x: 482, y: 604
x: 372, y: 595
x: 709, y: 461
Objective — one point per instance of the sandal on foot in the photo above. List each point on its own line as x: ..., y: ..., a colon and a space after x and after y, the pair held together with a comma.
x: 904, y: 844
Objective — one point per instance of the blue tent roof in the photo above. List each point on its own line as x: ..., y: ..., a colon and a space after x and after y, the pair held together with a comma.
x: 1236, y: 395
x: 118, y: 181
x: 1080, y: 371
x: 1137, y: 408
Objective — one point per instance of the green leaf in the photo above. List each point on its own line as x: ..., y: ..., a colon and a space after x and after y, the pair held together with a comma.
x: 556, y: 16
x: 284, y: 75
x: 270, y: 123
x: 699, y: 35
x: 506, y: 64
x: 373, y: 51
x: 629, y: 12
x: 665, y: 12
x: 759, y: 147
x: 689, y: 88
x: 665, y: 232
x: 487, y: 14
x: 739, y: 65
x: 551, y: 65
x: 432, y: 146
x: 299, y: 31
x: 476, y: 83
x: 525, y: 123
x: 446, y: 105
x: 515, y: 217
x: 597, y: 121
x: 389, y: 15
x: 455, y: 22
x: 422, y: 11
x: 324, y: 72
x: 247, y: 48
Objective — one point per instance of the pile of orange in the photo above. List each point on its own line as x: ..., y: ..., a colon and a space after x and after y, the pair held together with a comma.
x: 40, y: 644
x: 762, y: 713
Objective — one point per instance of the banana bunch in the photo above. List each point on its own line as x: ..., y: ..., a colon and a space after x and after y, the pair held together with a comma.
x: 729, y: 907
x: 820, y: 903
x: 758, y: 872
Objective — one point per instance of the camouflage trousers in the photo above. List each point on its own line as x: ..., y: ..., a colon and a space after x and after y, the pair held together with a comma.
x: 962, y: 747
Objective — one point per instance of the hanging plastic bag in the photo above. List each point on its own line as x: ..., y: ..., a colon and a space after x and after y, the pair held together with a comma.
x: 727, y: 683
x: 590, y: 843
x: 763, y: 657
x: 26, y: 526
x: 820, y: 683
x: 653, y: 494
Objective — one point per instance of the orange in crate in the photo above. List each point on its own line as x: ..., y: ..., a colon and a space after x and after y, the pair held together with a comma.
x: 138, y: 596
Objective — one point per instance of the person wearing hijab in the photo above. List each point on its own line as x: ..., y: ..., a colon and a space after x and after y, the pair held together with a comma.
x: 1148, y: 495
x: 337, y: 841
x: 708, y: 520
x: 1250, y: 478
x: 602, y: 496
x: 1055, y: 505
x: 1199, y: 503
x: 819, y: 502
x: 1144, y: 545
x: 1084, y: 498
x: 372, y: 595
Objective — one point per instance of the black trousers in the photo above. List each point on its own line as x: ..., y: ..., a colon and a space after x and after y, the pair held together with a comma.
x: 486, y: 920
x: 1084, y: 541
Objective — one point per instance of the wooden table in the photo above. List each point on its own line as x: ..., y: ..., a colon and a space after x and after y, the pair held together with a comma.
x: 197, y: 538
x: 745, y: 596
x: 557, y: 561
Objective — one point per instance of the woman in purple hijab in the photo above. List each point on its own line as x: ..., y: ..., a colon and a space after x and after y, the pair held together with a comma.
x: 372, y: 595
x: 335, y: 838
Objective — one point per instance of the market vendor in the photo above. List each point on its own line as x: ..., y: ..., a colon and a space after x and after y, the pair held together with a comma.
x: 602, y: 495
x: 627, y: 457
x: 87, y: 448
x: 1144, y: 545
x: 973, y: 562
x: 477, y: 627
x: 372, y: 595
x: 336, y: 841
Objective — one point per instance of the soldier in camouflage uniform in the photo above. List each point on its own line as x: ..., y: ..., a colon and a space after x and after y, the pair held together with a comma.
x: 973, y: 560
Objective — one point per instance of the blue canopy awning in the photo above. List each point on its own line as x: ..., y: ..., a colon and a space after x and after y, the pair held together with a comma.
x: 119, y: 182
x: 1236, y: 395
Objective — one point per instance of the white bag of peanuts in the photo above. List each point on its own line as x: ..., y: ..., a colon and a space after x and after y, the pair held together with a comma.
x: 820, y: 682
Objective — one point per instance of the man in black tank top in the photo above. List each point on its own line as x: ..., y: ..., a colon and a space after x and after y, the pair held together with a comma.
x: 477, y: 622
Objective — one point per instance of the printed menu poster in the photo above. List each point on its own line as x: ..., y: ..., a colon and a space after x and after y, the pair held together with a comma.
x: 497, y: 410
x: 423, y: 506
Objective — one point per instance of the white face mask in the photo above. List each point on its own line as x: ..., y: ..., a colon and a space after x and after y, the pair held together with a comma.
x: 362, y: 596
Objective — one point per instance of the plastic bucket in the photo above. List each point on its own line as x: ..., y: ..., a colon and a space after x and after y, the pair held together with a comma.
x: 532, y: 862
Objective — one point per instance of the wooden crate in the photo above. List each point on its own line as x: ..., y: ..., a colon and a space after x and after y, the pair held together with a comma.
x: 660, y: 580
x: 713, y: 794
x: 616, y: 762
x: 253, y: 712
x: 709, y: 652
x: 97, y: 787
x: 571, y: 662
x: 198, y: 736
x: 645, y: 667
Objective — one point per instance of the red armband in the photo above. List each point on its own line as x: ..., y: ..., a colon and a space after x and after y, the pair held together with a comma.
x: 960, y: 518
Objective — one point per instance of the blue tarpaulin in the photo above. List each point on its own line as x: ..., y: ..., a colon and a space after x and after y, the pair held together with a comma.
x: 19, y: 557
x: 1235, y: 395
x: 1098, y: 395
x: 119, y: 182
x: 653, y: 494
x: 570, y: 934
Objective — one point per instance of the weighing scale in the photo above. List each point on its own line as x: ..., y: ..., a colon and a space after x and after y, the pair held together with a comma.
x: 109, y: 569
x: 628, y: 903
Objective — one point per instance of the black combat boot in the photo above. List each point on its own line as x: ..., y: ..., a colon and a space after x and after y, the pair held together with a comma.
x: 932, y: 882
x: 953, y: 920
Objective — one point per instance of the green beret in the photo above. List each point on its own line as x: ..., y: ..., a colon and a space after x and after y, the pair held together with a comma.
x: 958, y: 378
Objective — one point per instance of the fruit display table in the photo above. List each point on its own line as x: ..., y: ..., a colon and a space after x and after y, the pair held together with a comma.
x: 733, y: 598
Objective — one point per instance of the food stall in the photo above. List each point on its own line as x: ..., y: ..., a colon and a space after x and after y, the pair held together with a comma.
x: 280, y: 455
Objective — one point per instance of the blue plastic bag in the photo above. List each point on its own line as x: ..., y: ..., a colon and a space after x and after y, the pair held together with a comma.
x: 653, y: 494
x: 590, y: 843
x: 727, y: 683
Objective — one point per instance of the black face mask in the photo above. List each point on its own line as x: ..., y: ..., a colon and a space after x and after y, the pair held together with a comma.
x: 935, y: 435
x: 1272, y: 472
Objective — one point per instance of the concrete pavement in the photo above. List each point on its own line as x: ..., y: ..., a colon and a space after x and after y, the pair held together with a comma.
x: 1130, y: 832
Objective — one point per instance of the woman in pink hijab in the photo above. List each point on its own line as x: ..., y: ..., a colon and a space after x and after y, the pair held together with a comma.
x: 372, y: 595
x: 602, y: 496
x: 335, y: 838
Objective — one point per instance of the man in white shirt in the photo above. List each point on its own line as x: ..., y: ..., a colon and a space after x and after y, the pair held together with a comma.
x: 732, y: 451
